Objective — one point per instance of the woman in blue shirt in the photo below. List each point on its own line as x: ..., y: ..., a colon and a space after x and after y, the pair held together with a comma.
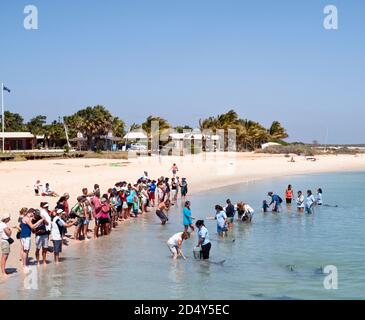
x: 203, y: 241
x: 187, y: 218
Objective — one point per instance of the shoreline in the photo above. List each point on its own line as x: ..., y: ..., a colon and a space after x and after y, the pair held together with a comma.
x: 229, y: 170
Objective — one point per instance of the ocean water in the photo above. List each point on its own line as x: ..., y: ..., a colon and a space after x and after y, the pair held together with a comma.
x: 278, y: 256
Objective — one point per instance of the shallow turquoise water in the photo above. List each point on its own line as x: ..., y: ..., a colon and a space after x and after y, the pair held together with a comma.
x: 134, y: 263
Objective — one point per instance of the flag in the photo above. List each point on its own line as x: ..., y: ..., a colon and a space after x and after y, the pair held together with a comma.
x: 6, y: 89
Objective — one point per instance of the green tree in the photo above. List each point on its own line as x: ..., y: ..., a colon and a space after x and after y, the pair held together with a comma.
x: 93, y: 122
x: 163, y: 125
x: 277, y: 132
x: 13, y: 122
x: 36, y: 125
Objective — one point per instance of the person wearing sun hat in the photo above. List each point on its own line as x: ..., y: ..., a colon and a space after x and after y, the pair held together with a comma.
x: 56, y: 232
x: 5, y: 233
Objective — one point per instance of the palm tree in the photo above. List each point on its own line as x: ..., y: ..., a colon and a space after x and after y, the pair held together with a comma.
x: 92, y: 122
x: 277, y: 132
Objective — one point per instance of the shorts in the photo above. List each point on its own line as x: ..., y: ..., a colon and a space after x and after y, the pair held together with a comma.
x: 36, y: 191
x: 184, y: 192
x: 5, y: 247
x: 26, y: 243
x: 174, y: 249
x: 220, y: 229
x: 86, y: 222
x: 41, y: 241
x: 230, y: 219
x: 103, y: 220
x: 130, y: 204
x: 57, y: 246
x: 308, y: 210
x: 204, y: 254
x: 152, y: 196
x: 125, y: 205
x: 288, y: 201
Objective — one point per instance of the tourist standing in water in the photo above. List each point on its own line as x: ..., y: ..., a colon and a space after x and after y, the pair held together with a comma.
x: 6, y: 240
x: 275, y: 201
x: 175, y: 244
x: 187, y: 218
x: 230, y: 212
x: 289, y: 194
x: 309, y: 202
x: 300, y: 201
x: 319, y: 197
x: 203, y: 239
x: 221, y: 218
x: 183, y: 189
x: 26, y: 227
x: 57, y: 226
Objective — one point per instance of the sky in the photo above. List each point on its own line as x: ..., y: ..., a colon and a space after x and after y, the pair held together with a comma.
x: 186, y: 60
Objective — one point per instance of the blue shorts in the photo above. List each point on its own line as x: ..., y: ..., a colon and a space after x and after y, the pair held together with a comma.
x: 220, y: 229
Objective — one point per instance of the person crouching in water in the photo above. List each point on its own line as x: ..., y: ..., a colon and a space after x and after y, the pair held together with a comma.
x: 203, y: 240
x: 162, y: 210
x: 56, y: 231
x: 245, y: 212
x: 175, y: 244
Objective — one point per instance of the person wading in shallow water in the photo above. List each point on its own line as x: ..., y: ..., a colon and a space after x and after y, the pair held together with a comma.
x: 162, y: 210
x: 289, y: 195
x: 203, y: 240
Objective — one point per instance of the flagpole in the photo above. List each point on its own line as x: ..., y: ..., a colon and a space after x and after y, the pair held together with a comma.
x: 2, y: 116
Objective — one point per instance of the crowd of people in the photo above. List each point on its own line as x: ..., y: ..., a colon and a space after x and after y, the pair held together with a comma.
x: 303, y: 203
x: 120, y: 203
x: 225, y: 217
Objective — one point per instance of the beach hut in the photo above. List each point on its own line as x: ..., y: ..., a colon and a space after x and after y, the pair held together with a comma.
x: 79, y: 142
x: 18, y: 140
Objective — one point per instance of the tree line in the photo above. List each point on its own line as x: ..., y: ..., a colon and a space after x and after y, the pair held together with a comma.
x: 95, y: 122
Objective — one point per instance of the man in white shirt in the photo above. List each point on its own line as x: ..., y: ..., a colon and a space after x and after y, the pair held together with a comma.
x: 45, y: 214
x: 56, y: 232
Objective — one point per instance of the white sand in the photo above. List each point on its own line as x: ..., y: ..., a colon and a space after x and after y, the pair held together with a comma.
x: 203, y: 172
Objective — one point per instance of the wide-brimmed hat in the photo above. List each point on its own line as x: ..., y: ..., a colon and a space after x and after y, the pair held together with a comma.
x: 60, y: 211
x: 5, y: 216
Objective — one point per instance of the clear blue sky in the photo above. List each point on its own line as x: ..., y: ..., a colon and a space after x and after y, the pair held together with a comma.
x: 189, y: 59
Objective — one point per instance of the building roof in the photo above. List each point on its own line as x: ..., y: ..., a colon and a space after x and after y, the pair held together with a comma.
x: 17, y: 135
x: 135, y: 135
x: 269, y: 144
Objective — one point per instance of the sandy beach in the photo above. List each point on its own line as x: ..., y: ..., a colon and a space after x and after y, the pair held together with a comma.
x: 203, y: 172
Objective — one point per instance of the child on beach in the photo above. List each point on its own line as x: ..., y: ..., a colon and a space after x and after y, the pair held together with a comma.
x: 38, y: 188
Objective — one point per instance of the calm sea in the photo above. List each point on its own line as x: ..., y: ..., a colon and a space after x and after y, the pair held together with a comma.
x: 276, y: 257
